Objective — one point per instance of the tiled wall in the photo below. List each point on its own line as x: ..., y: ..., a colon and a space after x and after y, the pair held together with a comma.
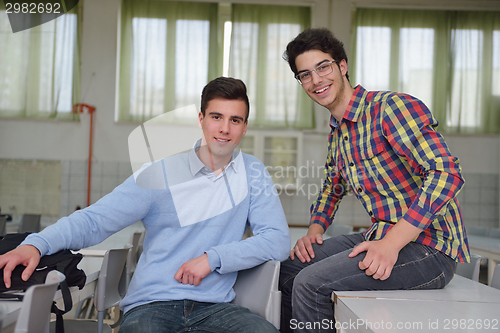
x: 105, y: 177
x: 479, y: 200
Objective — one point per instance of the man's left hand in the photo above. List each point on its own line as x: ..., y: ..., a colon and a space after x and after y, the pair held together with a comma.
x: 194, y: 270
x: 379, y: 260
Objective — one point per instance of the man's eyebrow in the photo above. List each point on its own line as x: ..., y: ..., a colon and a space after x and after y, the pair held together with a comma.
x: 319, y: 63
x: 215, y: 113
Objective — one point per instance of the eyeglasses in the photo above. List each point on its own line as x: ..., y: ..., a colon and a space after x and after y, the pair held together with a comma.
x: 322, y: 70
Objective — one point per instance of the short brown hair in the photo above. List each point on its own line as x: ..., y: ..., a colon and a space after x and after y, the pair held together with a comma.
x: 225, y: 88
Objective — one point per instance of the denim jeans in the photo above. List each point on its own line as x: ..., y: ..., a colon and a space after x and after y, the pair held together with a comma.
x: 306, y: 287
x: 191, y: 316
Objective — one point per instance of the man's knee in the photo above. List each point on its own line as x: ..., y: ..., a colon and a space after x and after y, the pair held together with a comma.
x: 304, y: 282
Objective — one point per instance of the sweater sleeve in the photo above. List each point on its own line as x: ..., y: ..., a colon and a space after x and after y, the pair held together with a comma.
x: 124, y: 206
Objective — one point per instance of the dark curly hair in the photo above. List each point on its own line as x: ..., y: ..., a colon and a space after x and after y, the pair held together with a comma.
x: 320, y: 39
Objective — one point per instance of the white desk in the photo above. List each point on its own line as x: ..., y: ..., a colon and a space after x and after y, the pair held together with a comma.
x: 115, y: 241
x: 486, y: 247
x: 462, y: 306
x: 384, y: 315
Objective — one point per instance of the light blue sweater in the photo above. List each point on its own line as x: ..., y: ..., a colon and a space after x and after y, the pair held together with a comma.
x: 187, y: 210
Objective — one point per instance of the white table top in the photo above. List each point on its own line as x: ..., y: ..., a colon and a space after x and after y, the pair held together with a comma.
x: 463, y: 302
x: 394, y: 315
x: 459, y: 289
x: 119, y: 239
x: 484, y: 243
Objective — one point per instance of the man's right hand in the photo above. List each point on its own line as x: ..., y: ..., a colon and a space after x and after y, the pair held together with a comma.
x: 303, y: 248
x: 26, y: 255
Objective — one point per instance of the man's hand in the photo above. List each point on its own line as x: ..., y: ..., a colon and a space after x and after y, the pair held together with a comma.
x: 26, y: 255
x: 379, y: 260
x: 381, y: 255
x: 303, y: 249
x: 194, y: 270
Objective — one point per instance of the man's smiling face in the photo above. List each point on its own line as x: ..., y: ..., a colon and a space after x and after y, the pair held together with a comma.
x: 325, y: 90
x: 223, y: 126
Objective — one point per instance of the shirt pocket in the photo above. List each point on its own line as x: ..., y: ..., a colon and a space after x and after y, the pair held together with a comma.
x: 370, y: 170
x: 372, y: 151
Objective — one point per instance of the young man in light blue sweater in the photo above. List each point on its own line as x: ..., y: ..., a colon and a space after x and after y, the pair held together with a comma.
x: 195, y: 207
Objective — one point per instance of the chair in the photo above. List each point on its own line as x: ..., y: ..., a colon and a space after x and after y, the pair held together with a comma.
x: 494, y: 233
x: 140, y: 246
x: 495, y: 280
x: 30, y: 223
x: 3, y: 223
x: 108, y: 293
x: 133, y: 256
x: 257, y: 289
x: 34, y: 316
x: 338, y: 229
x: 470, y: 270
x: 477, y: 231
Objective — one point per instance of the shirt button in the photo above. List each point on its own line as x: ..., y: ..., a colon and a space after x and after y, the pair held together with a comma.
x: 360, y: 189
x: 370, y: 213
x: 346, y: 138
x: 351, y: 164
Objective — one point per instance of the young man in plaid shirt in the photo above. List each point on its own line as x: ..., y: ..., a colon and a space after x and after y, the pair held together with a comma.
x: 383, y: 146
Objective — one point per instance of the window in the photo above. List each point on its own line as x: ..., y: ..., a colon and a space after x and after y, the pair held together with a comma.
x: 148, y: 62
x: 415, y: 65
x: 495, y: 87
x: 466, y: 80
x: 39, y: 69
x: 166, y: 57
x: 447, y: 59
x: 260, y: 34
x: 170, y: 50
x: 373, y: 68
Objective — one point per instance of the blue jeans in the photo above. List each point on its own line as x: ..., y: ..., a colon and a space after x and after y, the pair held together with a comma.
x: 306, y: 287
x: 191, y: 316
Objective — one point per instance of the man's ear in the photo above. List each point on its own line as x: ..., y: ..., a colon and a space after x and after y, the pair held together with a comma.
x: 343, y: 67
x: 200, y: 118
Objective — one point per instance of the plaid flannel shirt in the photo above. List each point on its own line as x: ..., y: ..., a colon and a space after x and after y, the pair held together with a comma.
x: 387, y: 152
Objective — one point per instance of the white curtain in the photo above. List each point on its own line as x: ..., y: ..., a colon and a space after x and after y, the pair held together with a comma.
x: 260, y: 34
x: 448, y: 59
x: 166, y: 58
x: 40, y: 69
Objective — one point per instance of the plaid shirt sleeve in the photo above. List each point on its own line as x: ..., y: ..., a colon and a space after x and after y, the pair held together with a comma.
x: 333, y: 189
x: 410, y: 129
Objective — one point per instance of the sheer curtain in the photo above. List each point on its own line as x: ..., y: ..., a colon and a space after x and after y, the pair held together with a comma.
x: 259, y: 37
x: 40, y: 68
x: 448, y: 59
x: 169, y: 51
